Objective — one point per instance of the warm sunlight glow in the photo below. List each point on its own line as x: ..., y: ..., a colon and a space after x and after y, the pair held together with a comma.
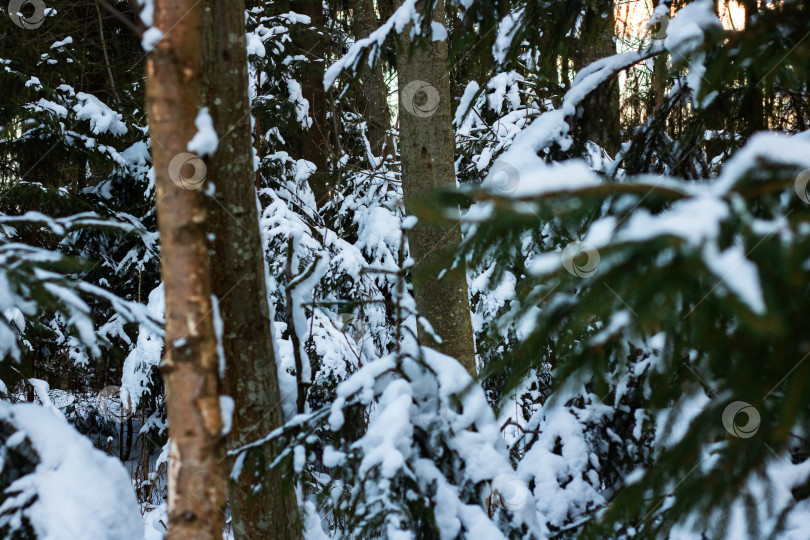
x: 632, y: 17
x: 732, y: 14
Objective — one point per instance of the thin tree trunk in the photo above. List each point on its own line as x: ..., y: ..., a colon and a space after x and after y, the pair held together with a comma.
x: 313, y: 144
x: 599, y: 119
x: 373, y: 92
x: 262, y: 504
x: 754, y: 100
x: 196, y: 480
x: 427, y: 144
x: 659, y: 74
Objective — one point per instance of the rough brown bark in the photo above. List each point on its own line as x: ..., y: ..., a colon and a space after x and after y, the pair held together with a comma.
x: 600, y: 121
x: 263, y: 504
x: 313, y: 144
x: 196, y: 480
x: 427, y: 144
x: 753, y: 105
x: 659, y: 75
x: 373, y: 92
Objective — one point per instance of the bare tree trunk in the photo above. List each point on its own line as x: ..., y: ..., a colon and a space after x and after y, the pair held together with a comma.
x: 599, y: 121
x: 313, y: 144
x: 373, y: 92
x: 427, y: 146
x: 659, y: 74
x: 262, y: 504
x: 754, y: 98
x: 196, y: 483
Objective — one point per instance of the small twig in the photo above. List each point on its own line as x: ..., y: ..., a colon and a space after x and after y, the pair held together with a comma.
x: 120, y: 16
x: 306, y: 273
x: 511, y: 422
x: 296, y: 343
x: 104, y: 50
x: 343, y: 302
x: 400, y: 292
x: 292, y: 283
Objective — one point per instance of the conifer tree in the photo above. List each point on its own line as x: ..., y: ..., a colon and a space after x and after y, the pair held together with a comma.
x: 636, y: 269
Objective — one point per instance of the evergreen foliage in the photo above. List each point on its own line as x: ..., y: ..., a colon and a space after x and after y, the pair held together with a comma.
x: 639, y: 302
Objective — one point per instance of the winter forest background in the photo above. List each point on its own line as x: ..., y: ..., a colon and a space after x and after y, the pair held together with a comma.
x: 432, y: 269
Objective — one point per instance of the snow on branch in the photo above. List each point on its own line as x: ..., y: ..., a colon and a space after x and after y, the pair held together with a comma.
x: 369, y: 48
